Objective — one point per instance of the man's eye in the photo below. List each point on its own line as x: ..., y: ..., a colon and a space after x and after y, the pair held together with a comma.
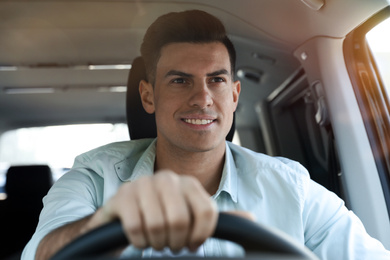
x: 179, y: 81
x: 217, y: 79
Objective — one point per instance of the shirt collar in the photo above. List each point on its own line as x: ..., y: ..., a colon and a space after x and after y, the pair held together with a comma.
x: 145, y: 167
x: 228, y: 182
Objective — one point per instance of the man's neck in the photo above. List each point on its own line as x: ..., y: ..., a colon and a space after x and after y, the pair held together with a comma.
x: 205, y: 166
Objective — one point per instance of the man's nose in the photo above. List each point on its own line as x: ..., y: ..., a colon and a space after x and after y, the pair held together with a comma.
x: 201, y: 96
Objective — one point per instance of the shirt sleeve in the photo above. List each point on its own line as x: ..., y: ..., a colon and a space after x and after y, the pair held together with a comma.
x: 75, y: 195
x: 334, y: 232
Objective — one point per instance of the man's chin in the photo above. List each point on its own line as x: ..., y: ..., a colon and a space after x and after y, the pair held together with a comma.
x: 203, y: 146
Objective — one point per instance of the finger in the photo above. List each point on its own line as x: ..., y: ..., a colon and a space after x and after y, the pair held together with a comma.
x: 125, y: 206
x: 177, y: 214
x: 154, y: 223
x: 204, y: 213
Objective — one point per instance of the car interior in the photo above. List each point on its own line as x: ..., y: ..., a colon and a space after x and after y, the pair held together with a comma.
x: 311, y: 92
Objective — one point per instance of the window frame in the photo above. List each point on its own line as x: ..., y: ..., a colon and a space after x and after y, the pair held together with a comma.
x: 371, y: 96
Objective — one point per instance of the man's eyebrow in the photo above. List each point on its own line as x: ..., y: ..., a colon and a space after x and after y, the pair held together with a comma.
x: 218, y: 72
x: 187, y: 75
x: 178, y: 73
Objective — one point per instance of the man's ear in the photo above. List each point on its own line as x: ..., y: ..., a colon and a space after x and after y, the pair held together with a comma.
x: 236, y: 93
x: 146, y: 92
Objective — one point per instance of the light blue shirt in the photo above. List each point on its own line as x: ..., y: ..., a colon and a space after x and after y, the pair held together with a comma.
x: 277, y: 191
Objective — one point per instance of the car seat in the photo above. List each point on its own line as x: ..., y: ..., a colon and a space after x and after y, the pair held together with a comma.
x: 140, y: 123
x: 25, y: 187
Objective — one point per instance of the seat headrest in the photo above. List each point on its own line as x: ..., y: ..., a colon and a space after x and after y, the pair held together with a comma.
x: 28, y: 180
x: 140, y: 123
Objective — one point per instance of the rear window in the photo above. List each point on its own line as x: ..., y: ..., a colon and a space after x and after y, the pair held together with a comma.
x: 56, y: 146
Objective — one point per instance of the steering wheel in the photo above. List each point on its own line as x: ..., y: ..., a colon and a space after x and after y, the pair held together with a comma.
x: 253, y: 237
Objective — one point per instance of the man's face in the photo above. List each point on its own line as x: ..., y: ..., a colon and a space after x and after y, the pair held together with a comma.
x: 194, y: 96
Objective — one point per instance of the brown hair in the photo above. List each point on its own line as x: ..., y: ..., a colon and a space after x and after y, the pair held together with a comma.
x: 189, y: 26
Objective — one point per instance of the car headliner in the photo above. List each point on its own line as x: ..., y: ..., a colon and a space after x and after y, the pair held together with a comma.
x: 46, y: 46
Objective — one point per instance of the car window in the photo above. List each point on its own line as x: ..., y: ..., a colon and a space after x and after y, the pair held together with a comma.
x: 378, y: 40
x: 56, y: 146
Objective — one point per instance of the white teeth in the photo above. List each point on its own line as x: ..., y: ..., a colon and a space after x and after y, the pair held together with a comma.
x: 198, y: 121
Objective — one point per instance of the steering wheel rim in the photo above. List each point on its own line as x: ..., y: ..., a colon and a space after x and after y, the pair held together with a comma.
x: 253, y: 237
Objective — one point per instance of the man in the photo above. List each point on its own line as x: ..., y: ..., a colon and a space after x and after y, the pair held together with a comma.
x: 160, y: 189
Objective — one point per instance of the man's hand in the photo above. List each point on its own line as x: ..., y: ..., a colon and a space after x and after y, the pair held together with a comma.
x: 164, y: 210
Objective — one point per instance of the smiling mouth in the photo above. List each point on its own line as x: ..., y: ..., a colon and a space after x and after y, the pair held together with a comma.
x: 198, y: 121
